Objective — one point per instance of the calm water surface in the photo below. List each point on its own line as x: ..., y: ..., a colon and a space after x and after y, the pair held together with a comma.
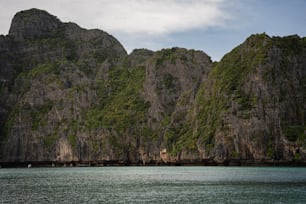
x: 153, y: 185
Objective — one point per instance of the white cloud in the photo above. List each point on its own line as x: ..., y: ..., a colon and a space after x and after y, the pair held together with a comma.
x: 136, y: 17
x: 155, y: 17
x: 160, y: 16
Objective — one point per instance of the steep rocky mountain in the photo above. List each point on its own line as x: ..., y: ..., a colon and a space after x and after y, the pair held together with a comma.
x: 253, y: 107
x: 75, y: 95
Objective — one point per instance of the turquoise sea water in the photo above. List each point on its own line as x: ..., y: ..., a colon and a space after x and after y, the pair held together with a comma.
x: 153, y: 185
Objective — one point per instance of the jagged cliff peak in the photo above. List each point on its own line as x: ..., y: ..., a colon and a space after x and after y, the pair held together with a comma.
x: 142, y: 52
x: 33, y: 23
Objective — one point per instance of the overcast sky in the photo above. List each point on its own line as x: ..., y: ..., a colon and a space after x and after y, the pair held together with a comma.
x: 214, y: 26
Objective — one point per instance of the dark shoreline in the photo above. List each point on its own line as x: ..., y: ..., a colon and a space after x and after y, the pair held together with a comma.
x: 250, y: 163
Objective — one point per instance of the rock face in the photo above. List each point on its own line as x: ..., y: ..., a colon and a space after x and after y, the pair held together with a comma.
x: 74, y: 95
x: 33, y: 24
x: 47, y: 71
x: 254, y: 106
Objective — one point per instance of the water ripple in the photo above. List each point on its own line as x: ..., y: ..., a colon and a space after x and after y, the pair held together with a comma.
x: 153, y: 185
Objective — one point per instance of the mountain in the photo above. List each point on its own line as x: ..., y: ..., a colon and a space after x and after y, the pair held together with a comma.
x: 71, y: 95
x: 253, y: 107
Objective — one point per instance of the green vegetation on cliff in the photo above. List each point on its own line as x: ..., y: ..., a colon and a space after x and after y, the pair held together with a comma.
x: 225, y: 86
x: 232, y: 71
x: 121, y: 106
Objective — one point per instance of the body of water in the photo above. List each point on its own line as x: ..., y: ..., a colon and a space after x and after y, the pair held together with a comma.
x: 153, y: 185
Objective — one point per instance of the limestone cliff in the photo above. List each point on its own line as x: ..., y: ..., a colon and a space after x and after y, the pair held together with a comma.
x: 252, y: 106
x: 47, y: 71
x: 71, y: 94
